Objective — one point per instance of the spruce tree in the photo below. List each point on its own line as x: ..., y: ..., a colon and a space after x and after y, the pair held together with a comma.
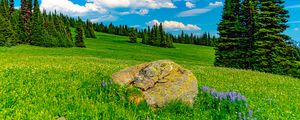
x: 248, y: 12
x: 227, y: 51
x: 145, y: 36
x: 12, y: 7
x: 132, y: 36
x: 7, y: 34
x: 79, y: 36
x: 272, y: 51
x: 38, y: 31
x: 89, y: 30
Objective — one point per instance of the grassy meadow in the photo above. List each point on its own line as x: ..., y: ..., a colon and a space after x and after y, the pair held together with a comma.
x: 47, y: 83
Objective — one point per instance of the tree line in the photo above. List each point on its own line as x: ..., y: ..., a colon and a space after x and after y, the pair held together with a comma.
x: 156, y: 35
x: 251, y: 37
x: 28, y: 25
x: 206, y: 39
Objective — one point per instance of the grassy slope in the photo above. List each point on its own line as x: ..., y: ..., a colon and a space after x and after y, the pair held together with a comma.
x: 42, y: 83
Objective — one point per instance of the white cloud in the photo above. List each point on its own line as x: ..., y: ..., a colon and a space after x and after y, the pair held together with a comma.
x: 174, y: 25
x: 139, y: 12
x: 188, y: 4
x: 216, y: 4
x: 104, y: 18
x: 152, y: 4
x: 194, y: 12
x: 296, y: 29
x: 68, y: 7
x: 105, y: 7
x: 135, y: 26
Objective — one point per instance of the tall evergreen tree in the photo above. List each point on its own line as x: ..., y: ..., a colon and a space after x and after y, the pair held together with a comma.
x: 38, y: 32
x: 145, y: 36
x: 7, y: 34
x: 12, y: 7
x: 133, y: 36
x: 227, y: 51
x: 248, y: 12
x: 272, y: 52
x: 79, y: 37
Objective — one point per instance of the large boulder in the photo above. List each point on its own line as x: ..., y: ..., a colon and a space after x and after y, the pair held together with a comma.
x: 160, y: 82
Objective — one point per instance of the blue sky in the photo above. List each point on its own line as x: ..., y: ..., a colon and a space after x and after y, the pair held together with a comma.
x: 192, y: 16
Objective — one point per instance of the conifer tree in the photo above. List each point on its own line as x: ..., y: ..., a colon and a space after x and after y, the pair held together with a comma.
x: 7, y: 34
x: 79, y: 37
x: 38, y: 31
x: 133, y: 36
x: 272, y: 52
x: 227, y: 51
x: 12, y: 7
x: 145, y: 36
x: 248, y: 12
x: 89, y: 30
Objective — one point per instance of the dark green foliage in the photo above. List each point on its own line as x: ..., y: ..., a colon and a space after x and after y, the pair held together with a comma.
x: 228, y: 52
x: 38, y: 32
x: 251, y: 37
x: 11, y: 7
x: 156, y: 36
x: 205, y: 39
x: 89, y: 30
x: 79, y: 35
x: 29, y: 26
x: 7, y: 34
x: 145, y: 36
x: 133, y: 36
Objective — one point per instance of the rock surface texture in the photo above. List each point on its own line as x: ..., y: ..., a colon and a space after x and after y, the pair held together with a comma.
x: 160, y: 82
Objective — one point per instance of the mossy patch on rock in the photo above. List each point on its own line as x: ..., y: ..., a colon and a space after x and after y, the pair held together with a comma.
x: 160, y: 82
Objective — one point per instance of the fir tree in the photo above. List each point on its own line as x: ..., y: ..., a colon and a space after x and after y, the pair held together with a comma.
x: 132, y: 36
x: 79, y: 37
x: 7, y: 34
x: 12, y: 7
x: 38, y: 31
x: 227, y: 51
x: 145, y: 36
x: 272, y: 52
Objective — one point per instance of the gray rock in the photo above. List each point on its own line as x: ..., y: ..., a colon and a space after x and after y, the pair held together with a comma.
x: 160, y: 82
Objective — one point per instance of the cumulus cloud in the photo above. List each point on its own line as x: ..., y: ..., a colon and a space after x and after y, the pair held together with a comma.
x: 139, y: 12
x: 174, y: 25
x: 194, y: 12
x: 105, y: 7
x: 152, y: 4
x: 188, y: 4
x: 216, y: 4
x: 104, y: 18
x: 68, y: 7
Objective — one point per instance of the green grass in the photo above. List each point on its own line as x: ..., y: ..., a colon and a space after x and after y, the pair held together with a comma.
x: 44, y: 83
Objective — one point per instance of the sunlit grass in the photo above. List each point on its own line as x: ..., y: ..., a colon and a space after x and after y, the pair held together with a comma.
x: 45, y: 83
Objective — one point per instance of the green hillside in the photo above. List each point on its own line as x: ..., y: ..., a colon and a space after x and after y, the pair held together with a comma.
x: 45, y: 83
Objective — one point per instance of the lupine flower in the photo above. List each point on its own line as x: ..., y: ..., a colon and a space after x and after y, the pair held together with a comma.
x: 240, y: 115
x: 205, y: 89
x: 231, y: 96
x: 250, y: 112
x: 103, y: 84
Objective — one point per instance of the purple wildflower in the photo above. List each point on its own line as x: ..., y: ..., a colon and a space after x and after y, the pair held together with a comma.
x: 250, y: 112
x: 205, y: 89
x: 240, y: 115
x: 103, y: 84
